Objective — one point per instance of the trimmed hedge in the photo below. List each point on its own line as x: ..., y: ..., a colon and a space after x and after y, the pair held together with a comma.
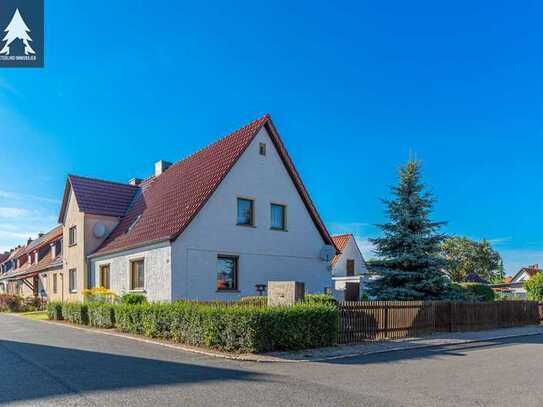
x: 54, y: 311
x: 482, y: 292
x: 75, y: 312
x: 101, y: 315
x: 262, y: 301
x: 133, y: 299
x: 225, y: 327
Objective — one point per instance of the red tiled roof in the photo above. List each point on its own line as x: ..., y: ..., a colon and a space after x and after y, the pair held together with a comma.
x: 165, y: 205
x: 3, y: 257
x: 341, y: 243
x: 48, y: 237
x: 98, y: 197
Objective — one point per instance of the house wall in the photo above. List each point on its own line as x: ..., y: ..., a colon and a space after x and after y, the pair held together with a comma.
x: 75, y: 256
x: 157, y: 266
x: 264, y: 254
x: 350, y: 252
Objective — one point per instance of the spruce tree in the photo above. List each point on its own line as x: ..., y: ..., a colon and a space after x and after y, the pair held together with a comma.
x: 410, y: 266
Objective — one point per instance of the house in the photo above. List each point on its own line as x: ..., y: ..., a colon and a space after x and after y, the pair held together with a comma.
x: 213, y: 226
x: 348, y: 269
x: 514, y: 286
x: 26, y: 270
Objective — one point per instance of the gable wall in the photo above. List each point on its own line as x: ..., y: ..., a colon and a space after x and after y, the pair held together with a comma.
x: 264, y: 254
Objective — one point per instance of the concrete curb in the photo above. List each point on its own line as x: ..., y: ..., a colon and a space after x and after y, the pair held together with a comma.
x: 274, y: 359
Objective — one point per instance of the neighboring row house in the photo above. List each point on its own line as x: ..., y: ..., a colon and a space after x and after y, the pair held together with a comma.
x: 216, y: 225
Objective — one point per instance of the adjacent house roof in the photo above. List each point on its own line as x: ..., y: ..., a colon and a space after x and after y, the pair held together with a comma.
x: 530, y: 270
x: 341, y: 242
x: 3, y: 257
x: 165, y: 205
x: 98, y: 197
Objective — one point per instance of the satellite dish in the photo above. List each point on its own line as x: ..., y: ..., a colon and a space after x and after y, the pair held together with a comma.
x: 328, y: 252
x: 99, y: 230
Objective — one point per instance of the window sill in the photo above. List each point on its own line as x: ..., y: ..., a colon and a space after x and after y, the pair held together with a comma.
x: 73, y: 291
x: 279, y: 230
x: 245, y: 226
x: 228, y: 291
x: 72, y: 245
x: 137, y: 290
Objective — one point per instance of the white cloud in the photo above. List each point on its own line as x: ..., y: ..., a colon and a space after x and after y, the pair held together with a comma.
x: 13, y: 213
x: 26, y: 197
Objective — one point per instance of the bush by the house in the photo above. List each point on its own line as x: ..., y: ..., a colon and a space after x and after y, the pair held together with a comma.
x: 133, y: 299
x: 309, y: 298
x: 480, y: 292
x: 101, y: 315
x: 54, y: 311
x: 10, y: 303
x: 100, y: 295
x: 534, y: 287
x: 128, y: 318
x: 260, y: 301
x: 75, y: 312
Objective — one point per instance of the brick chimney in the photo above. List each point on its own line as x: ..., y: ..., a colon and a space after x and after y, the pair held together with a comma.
x: 134, y: 181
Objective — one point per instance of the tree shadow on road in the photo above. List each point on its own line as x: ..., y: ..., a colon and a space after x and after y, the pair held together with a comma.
x: 32, y: 371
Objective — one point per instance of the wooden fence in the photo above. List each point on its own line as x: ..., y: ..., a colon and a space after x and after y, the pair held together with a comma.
x: 366, y: 320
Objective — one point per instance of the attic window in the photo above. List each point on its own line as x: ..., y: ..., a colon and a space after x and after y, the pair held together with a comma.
x: 262, y: 149
x: 133, y: 224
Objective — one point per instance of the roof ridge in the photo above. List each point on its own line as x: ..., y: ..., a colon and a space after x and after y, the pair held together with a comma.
x: 102, y: 180
x: 262, y: 119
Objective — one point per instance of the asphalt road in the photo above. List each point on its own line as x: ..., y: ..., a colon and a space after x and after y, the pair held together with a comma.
x: 48, y: 365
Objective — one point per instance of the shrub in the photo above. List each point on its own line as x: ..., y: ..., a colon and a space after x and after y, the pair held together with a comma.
x: 260, y: 301
x: 33, y: 304
x: 128, y: 318
x: 101, y: 315
x: 75, y: 312
x: 320, y: 299
x: 133, y: 299
x: 233, y: 328
x: 54, y: 311
x: 100, y: 295
x: 10, y: 303
x: 480, y: 292
x: 534, y: 287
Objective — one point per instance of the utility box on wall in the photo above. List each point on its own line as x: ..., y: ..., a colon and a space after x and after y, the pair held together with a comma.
x: 285, y: 292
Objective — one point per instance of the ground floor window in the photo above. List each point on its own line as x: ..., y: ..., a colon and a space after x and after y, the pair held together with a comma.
x: 137, y: 275
x: 72, y: 277
x: 227, y: 273
x: 104, y: 276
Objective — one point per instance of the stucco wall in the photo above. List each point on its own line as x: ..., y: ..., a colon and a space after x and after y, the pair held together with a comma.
x: 350, y: 252
x: 157, y: 266
x: 264, y: 254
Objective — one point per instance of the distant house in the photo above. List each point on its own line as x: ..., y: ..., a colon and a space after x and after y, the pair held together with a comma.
x: 213, y: 226
x: 514, y: 286
x: 348, y: 269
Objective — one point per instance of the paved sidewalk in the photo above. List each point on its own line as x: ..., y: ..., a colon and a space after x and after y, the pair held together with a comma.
x: 371, y: 347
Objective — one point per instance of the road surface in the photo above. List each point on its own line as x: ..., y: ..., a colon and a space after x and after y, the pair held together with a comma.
x: 53, y: 365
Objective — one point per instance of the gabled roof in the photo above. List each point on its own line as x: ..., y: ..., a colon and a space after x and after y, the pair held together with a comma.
x: 341, y: 242
x: 46, y: 238
x: 165, y: 205
x: 530, y: 270
x: 98, y: 197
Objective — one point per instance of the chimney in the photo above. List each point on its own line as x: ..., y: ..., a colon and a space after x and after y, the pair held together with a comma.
x: 36, y: 256
x: 134, y: 181
x: 161, y: 166
x: 40, y: 235
x: 29, y: 241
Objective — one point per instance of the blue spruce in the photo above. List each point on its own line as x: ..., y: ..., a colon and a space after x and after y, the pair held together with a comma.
x: 409, y: 266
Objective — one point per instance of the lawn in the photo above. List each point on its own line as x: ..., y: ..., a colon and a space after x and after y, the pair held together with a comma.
x: 35, y: 315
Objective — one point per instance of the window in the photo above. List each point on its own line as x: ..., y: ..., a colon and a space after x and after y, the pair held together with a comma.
x: 137, y: 275
x: 262, y: 149
x: 245, y: 212
x: 104, y: 276
x: 227, y: 273
x: 278, y: 218
x: 55, y: 283
x: 350, y: 267
x: 72, y: 236
x: 72, y: 280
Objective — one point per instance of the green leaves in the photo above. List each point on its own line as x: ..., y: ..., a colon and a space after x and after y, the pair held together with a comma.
x: 534, y: 287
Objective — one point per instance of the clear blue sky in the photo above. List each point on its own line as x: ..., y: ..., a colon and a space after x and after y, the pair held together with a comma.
x: 352, y: 88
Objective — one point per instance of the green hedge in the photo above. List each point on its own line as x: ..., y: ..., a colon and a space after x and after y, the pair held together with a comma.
x: 101, y: 315
x: 75, y: 312
x: 309, y: 298
x: 481, y: 292
x: 54, y: 311
x: 225, y: 327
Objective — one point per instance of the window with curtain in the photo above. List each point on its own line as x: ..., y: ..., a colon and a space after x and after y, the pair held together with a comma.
x: 278, y: 217
x: 137, y: 275
x: 104, y: 276
x: 245, y: 212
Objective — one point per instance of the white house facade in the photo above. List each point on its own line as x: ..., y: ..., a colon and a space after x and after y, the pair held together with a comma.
x: 349, y: 269
x: 248, y: 221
